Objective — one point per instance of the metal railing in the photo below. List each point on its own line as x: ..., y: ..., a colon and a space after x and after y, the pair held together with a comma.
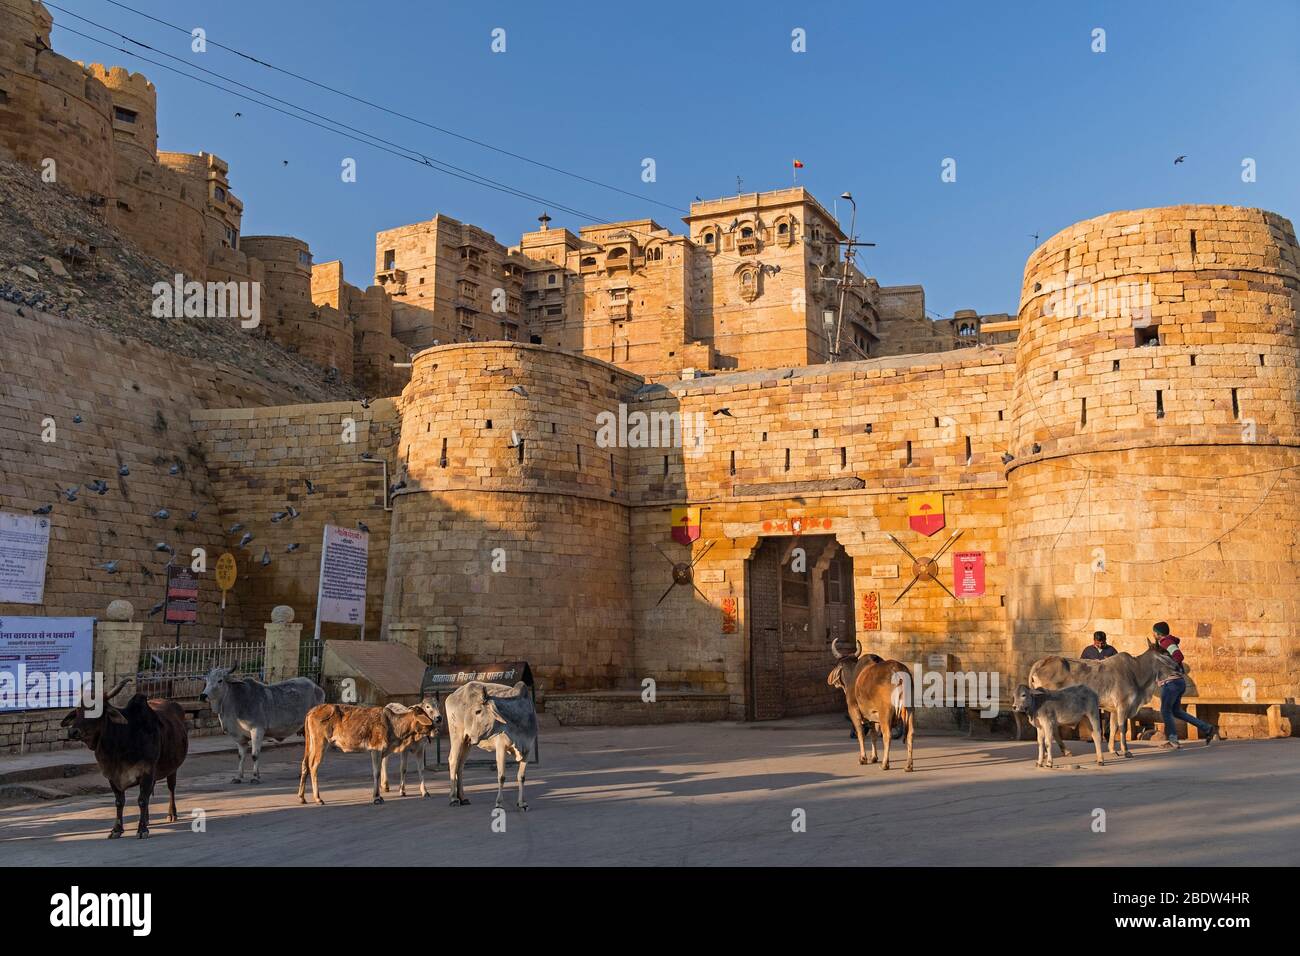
x: 311, y: 656
x: 178, y: 672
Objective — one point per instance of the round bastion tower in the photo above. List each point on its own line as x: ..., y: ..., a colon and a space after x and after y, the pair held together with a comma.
x: 51, y: 108
x: 1156, y: 438
x: 135, y: 111
x: 320, y: 334
x: 513, y: 526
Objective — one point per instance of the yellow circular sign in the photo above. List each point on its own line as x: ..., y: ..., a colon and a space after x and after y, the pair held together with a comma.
x: 226, y: 571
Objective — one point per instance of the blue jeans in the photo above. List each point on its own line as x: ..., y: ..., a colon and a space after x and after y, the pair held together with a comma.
x: 1171, y: 708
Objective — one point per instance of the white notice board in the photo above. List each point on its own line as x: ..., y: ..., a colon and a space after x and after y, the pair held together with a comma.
x: 341, y: 595
x: 24, y: 549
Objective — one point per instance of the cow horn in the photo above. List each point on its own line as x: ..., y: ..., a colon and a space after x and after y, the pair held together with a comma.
x: 859, y: 644
x: 120, y: 684
x: 835, y: 648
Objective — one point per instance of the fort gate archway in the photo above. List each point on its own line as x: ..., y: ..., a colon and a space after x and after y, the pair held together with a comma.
x: 800, y: 598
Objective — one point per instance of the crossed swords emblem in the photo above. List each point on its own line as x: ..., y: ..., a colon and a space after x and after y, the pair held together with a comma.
x: 924, y: 567
x: 683, y: 573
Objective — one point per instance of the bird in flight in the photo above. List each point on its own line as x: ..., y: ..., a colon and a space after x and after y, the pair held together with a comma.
x: 1179, y: 160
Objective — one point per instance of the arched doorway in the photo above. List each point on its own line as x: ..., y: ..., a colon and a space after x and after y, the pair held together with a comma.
x: 800, y: 597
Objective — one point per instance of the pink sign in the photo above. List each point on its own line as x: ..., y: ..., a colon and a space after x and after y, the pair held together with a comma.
x: 968, y: 573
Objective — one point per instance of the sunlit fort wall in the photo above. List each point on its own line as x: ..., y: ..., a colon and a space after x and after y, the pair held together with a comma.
x: 1155, y: 435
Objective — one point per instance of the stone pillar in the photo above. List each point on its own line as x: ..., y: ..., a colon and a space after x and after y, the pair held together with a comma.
x: 408, y: 635
x: 282, y: 639
x: 117, y: 643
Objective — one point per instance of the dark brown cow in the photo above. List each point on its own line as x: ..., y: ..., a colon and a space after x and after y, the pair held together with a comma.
x: 877, y: 697
x: 135, y: 744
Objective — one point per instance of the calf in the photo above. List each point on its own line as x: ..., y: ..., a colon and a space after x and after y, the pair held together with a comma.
x: 1048, y: 709
x: 879, y: 698
x: 380, y: 730
x: 133, y: 745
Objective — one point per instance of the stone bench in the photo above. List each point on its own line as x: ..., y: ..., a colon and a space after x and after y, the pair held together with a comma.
x: 1209, y: 708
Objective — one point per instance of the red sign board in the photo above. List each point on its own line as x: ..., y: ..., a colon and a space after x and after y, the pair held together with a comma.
x: 871, y: 611
x: 968, y: 573
x: 182, y: 596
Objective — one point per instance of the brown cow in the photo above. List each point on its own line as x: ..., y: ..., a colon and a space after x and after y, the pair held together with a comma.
x: 135, y: 744
x: 878, y: 692
x: 381, y: 730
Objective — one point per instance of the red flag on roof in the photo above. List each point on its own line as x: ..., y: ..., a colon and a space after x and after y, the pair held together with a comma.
x: 798, y: 165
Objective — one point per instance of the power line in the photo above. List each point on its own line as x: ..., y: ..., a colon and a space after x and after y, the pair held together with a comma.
x: 375, y: 142
x: 411, y: 119
x: 404, y: 152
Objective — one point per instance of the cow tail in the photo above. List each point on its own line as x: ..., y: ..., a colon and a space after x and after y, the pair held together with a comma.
x: 899, y: 703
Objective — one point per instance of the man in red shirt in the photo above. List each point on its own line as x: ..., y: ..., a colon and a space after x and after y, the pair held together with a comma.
x: 1172, y: 689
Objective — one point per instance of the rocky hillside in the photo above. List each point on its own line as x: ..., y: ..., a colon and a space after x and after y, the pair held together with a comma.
x: 58, y: 255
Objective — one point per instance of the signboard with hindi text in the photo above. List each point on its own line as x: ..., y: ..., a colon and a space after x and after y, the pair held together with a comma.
x: 341, y: 595
x: 24, y: 549
x: 182, y: 595
x: 44, y: 661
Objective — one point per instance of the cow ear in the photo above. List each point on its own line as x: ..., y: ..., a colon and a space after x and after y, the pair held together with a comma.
x: 67, y: 721
x: 114, y: 715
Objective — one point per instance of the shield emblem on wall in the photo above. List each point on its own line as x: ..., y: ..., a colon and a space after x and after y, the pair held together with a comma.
x: 686, y: 525
x: 925, y: 513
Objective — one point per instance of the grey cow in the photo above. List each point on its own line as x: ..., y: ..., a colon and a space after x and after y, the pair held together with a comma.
x: 493, y: 717
x: 250, y: 711
x: 1122, y: 684
x: 1048, y: 709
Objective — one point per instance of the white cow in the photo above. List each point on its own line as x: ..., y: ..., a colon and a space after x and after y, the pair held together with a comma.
x: 495, y: 717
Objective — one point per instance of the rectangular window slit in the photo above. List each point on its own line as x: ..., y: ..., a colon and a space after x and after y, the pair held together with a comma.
x: 1236, y: 409
x: 909, y: 453
x: 968, y: 450
x: 665, y: 466
x: 520, y: 451
x: 1114, y: 365
x: 442, y: 462
x: 844, y: 457
x: 733, y: 461
x: 787, y: 459
x: 1160, y: 404
x: 1083, y: 411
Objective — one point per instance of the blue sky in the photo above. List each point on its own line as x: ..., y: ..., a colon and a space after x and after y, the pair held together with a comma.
x: 1045, y: 132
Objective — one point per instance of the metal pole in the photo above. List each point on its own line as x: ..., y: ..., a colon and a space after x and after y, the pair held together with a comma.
x: 844, y: 282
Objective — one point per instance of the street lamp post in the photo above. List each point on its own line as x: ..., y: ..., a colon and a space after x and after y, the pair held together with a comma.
x: 844, y: 280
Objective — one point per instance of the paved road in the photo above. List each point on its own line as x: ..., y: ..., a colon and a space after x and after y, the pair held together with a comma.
x: 719, y: 794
